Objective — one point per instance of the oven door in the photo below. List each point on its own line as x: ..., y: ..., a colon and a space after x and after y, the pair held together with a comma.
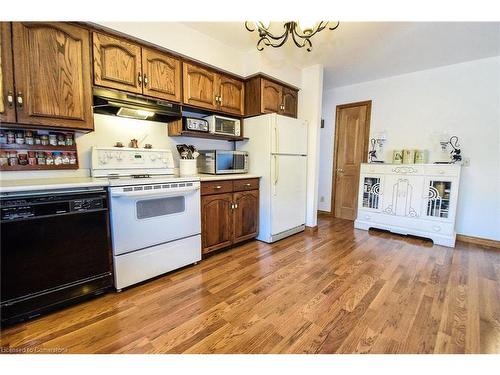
x: 144, y: 217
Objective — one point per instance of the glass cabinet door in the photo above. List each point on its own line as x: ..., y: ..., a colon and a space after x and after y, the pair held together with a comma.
x: 371, y: 192
x: 438, y: 199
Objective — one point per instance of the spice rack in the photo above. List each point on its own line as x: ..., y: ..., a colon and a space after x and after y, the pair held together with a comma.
x: 22, y: 150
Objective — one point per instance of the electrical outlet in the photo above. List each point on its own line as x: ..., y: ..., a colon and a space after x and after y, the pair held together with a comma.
x: 322, y: 199
x: 466, y: 162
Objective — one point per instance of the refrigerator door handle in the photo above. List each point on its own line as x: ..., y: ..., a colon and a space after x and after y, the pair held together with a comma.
x: 276, y: 139
x: 276, y: 172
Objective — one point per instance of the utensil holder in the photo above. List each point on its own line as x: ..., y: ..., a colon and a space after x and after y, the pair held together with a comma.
x: 187, y: 167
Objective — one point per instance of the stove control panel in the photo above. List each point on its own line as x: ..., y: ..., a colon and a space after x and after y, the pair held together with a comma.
x: 131, y: 158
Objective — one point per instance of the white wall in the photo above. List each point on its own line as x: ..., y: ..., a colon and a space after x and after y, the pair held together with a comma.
x: 309, y: 109
x: 463, y: 99
x: 111, y: 129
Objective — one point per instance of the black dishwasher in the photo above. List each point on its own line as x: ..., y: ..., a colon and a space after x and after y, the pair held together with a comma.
x: 55, y: 249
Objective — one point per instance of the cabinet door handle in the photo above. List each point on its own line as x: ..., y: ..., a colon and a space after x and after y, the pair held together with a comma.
x: 145, y: 80
x: 218, y: 187
x: 236, y: 205
x: 10, y: 99
x: 220, y: 99
x: 248, y: 184
x: 139, y: 78
x: 20, y: 100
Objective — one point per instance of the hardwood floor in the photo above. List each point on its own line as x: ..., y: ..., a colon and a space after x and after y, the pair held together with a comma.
x: 338, y: 291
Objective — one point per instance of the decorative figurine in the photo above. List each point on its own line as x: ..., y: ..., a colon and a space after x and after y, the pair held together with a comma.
x: 456, y: 156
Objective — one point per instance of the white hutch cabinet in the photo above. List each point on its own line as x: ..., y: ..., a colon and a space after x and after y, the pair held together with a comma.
x: 416, y: 199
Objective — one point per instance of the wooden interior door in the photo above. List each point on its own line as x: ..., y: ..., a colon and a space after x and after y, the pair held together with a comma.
x: 52, y: 74
x: 7, y: 103
x: 117, y: 63
x: 162, y: 75
x: 231, y: 92
x: 216, y: 218
x: 271, y: 99
x: 289, y: 102
x: 199, y: 86
x: 351, y: 149
x: 246, y: 215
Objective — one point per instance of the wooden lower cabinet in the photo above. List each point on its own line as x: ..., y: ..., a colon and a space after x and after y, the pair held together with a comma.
x: 246, y: 215
x: 228, y: 218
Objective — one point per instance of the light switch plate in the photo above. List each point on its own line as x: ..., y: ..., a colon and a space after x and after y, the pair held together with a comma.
x: 466, y: 162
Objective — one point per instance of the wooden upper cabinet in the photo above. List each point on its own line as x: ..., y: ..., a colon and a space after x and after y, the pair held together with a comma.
x: 161, y: 75
x: 7, y: 102
x: 246, y: 215
x: 231, y: 95
x: 265, y: 96
x: 216, y: 219
x: 117, y: 63
x: 289, y: 102
x: 52, y: 75
x: 199, y: 86
x: 271, y: 96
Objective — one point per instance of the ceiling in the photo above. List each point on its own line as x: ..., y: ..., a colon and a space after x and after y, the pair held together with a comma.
x: 364, y: 51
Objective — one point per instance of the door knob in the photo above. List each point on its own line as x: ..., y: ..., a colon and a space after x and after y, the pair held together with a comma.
x: 340, y: 170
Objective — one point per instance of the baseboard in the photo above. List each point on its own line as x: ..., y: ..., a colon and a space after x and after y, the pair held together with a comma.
x: 479, y: 241
x: 311, y: 230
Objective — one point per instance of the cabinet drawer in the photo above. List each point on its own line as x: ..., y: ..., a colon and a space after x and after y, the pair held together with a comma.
x: 373, y: 168
x: 216, y: 187
x: 442, y: 170
x: 246, y: 184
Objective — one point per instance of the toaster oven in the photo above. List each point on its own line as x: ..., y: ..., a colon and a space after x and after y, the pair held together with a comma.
x: 224, y: 125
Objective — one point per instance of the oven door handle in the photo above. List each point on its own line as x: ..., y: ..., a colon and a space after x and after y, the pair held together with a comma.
x: 153, y: 194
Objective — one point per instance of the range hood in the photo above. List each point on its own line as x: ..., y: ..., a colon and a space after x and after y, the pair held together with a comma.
x: 117, y: 103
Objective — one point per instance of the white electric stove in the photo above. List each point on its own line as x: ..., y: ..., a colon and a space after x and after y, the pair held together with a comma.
x: 155, y: 216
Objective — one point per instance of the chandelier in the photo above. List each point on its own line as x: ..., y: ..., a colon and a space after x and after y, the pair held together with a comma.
x: 300, y: 36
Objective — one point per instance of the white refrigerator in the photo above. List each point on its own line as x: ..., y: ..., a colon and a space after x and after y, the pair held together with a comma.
x: 277, y: 148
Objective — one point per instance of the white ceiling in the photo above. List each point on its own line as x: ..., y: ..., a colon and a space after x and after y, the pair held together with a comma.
x: 364, y: 51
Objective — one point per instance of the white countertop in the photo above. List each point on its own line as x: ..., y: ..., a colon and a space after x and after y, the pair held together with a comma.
x: 21, y: 185
x: 219, y: 177
x: 13, y: 186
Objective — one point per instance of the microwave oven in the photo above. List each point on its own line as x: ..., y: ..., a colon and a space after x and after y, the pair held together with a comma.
x: 222, y: 161
x: 224, y: 125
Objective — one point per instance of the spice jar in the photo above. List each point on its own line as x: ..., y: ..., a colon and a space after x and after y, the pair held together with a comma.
x: 72, y: 158
x: 28, y: 137
x: 49, y: 160
x: 3, y: 137
x: 61, y: 140
x: 65, y: 158
x: 13, y: 158
x: 38, y: 140
x: 57, y: 158
x: 44, y: 138
x: 23, y: 158
x: 31, y: 158
x: 11, y: 137
x: 69, y: 139
x: 53, y: 139
x: 40, y: 158
x: 20, y: 137
x: 4, y: 159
